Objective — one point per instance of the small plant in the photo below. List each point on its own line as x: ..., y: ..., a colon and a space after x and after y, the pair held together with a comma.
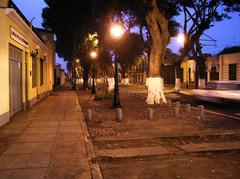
x: 103, y: 97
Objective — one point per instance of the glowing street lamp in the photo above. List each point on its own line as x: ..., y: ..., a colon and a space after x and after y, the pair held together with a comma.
x: 181, y: 39
x: 93, y: 55
x: 116, y: 32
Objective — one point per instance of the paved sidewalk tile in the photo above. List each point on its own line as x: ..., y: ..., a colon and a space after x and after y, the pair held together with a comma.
x: 45, y: 142
x: 33, y: 173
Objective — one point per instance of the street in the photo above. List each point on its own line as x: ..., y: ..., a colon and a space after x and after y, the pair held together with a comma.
x: 224, y: 107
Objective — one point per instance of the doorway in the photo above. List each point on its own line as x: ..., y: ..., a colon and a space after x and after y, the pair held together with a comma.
x: 15, y: 80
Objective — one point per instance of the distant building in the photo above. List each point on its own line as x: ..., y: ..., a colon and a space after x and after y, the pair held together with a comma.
x: 26, y: 63
x: 59, y: 76
x: 138, y: 72
x: 219, y: 69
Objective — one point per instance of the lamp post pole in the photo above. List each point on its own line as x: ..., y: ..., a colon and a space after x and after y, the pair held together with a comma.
x: 93, y: 55
x: 93, y: 81
x: 74, y: 76
x: 116, y: 100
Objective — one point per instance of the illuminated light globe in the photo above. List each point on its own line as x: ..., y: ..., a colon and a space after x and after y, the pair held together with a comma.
x: 180, y: 39
x: 93, y: 54
x: 116, y: 31
x: 77, y: 60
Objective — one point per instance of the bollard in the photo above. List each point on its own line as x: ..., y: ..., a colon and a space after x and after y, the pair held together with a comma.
x: 188, y: 108
x: 178, y: 104
x: 201, y: 112
x: 175, y: 112
x: 118, y: 114
x: 150, y: 113
x: 89, y: 115
x: 169, y: 102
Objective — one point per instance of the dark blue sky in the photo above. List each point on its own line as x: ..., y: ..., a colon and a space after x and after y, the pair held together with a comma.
x: 227, y: 32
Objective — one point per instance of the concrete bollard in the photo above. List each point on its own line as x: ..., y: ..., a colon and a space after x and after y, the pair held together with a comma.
x: 175, y: 112
x: 169, y: 102
x: 89, y: 115
x: 150, y: 113
x: 188, y: 108
x: 118, y: 114
x: 201, y: 112
x: 178, y: 104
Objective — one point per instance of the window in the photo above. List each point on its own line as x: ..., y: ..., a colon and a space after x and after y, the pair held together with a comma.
x: 34, y: 72
x: 232, y: 71
x: 41, y: 72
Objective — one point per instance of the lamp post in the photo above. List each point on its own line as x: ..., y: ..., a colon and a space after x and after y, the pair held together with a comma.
x: 93, y: 55
x: 116, y: 33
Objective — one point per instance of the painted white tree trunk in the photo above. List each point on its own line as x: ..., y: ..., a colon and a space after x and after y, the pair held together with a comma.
x: 125, y: 81
x: 155, y: 90
x: 177, y: 84
x: 202, y: 83
x: 110, y: 84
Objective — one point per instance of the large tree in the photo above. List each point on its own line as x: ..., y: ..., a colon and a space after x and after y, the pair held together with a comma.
x: 72, y: 21
x: 85, y: 16
x: 157, y: 17
x: 129, y: 50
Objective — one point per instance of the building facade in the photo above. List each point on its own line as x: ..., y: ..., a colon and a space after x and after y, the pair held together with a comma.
x: 26, y: 63
x: 219, y: 69
x: 229, y: 67
x: 59, y: 76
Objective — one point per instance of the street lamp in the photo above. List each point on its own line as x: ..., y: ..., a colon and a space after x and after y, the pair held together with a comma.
x: 93, y: 55
x: 116, y: 33
x: 181, y: 39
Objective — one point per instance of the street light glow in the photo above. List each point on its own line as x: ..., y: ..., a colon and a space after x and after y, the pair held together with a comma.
x: 77, y: 60
x: 116, y: 31
x: 93, y: 54
x: 180, y: 39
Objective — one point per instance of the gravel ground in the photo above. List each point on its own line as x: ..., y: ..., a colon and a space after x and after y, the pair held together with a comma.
x: 135, y: 123
x: 135, y: 130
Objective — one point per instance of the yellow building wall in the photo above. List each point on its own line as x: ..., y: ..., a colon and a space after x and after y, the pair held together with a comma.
x: 6, y: 22
x: 4, y: 66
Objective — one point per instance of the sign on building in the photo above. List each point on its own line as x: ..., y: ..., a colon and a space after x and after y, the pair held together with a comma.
x: 15, y: 35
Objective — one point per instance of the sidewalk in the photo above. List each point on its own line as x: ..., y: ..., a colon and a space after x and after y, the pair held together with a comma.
x: 46, y: 141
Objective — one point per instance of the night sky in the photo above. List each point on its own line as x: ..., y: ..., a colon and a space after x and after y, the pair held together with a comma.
x: 227, y: 33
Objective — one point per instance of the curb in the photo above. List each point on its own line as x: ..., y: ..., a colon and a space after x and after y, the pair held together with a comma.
x: 94, y: 167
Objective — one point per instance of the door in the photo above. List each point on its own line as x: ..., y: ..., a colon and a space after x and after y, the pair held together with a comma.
x: 15, y: 81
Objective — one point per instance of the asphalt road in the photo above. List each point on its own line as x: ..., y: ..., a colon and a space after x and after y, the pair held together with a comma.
x: 223, y: 107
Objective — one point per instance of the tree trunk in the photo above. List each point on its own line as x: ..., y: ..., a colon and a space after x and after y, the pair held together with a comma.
x: 159, y: 39
x: 73, y: 78
x: 178, y: 74
x: 202, y: 75
x: 85, y: 78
